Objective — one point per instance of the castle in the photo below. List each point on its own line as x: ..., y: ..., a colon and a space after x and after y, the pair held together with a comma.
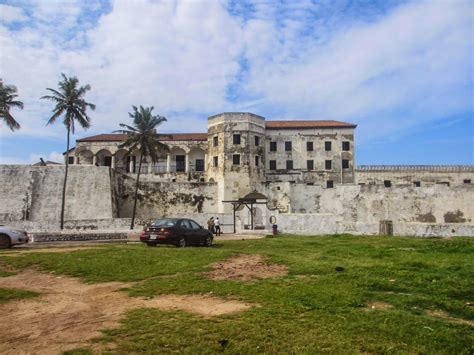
x: 247, y: 169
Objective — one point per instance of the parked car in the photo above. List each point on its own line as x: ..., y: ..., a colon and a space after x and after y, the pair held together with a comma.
x: 176, y: 231
x: 10, y: 236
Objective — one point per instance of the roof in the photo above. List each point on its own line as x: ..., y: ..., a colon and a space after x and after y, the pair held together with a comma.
x: 119, y: 137
x: 293, y: 124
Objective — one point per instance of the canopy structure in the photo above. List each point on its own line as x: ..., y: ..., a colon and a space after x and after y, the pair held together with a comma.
x: 249, y: 200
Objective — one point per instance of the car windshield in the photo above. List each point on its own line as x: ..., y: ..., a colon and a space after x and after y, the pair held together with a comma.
x: 167, y: 222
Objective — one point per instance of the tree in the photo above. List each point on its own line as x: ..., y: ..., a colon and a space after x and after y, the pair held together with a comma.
x: 7, y: 100
x: 141, y: 137
x: 70, y: 103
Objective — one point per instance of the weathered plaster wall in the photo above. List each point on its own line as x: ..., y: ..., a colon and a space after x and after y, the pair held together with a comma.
x: 34, y: 193
x: 299, y: 155
x: 235, y: 180
x: 405, y: 175
x: 164, y: 199
x: 372, y: 203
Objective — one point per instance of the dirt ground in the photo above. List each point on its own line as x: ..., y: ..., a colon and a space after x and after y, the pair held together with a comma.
x: 442, y: 314
x: 68, y: 313
x: 245, y: 267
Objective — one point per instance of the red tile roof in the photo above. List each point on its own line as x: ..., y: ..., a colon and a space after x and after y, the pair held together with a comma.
x: 307, y: 124
x: 119, y: 137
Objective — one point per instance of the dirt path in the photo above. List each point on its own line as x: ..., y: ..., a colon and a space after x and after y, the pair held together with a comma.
x: 246, y: 267
x: 68, y: 314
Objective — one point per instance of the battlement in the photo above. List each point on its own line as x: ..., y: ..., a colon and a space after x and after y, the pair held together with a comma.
x: 419, y: 168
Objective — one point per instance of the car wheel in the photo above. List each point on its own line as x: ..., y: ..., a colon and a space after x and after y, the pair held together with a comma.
x: 5, y: 241
x: 181, y: 242
x: 208, y: 241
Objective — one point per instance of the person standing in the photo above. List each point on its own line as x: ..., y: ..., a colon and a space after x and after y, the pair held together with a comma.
x: 217, y: 225
x: 210, y: 225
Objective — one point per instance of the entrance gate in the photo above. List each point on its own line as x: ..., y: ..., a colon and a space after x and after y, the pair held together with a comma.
x: 253, y: 198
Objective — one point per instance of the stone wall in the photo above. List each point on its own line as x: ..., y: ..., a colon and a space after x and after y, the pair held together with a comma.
x: 33, y: 193
x: 165, y: 199
x: 422, y: 175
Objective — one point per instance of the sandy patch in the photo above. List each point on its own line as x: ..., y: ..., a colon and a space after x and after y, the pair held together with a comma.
x: 245, y: 267
x: 442, y: 314
x: 378, y: 305
x: 45, y: 250
x: 68, y: 314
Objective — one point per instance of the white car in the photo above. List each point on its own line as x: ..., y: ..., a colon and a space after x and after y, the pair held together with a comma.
x: 10, y: 236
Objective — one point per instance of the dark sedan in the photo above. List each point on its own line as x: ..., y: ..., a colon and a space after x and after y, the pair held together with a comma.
x: 176, y: 231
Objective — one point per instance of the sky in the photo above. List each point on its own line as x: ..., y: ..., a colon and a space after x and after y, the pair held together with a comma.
x: 401, y: 70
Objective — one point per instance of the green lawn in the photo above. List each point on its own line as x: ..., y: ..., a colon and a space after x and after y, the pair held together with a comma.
x: 313, y: 309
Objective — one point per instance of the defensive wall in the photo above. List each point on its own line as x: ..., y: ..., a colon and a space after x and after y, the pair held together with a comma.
x: 33, y: 193
x: 100, y: 199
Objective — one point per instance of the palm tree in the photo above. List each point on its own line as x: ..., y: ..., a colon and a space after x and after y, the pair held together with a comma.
x: 69, y: 100
x: 141, y: 137
x: 7, y: 100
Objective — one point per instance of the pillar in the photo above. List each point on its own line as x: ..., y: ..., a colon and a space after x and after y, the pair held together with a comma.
x: 186, y: 163
x: 113, y: 162
x: 131, y: 164
x: 94, y: 159
x: 150, y: 167
x: 168, y: 163
x: 205, y: 162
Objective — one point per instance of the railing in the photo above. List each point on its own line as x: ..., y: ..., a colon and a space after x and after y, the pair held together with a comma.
x: 434, y: 168
x: 158, y: 169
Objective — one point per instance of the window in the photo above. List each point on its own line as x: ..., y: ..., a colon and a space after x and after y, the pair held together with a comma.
x: 194, y: 225
x: 328, y: 164
x: 289, y: 165
x: 417, y: 183
x: 215, y: 161
x: 346, y: 145
x: 256, y: 160
x: 185, y: 224
x: 199, y: 164
x: 216, y: 141
x: 71, y: 160
x: 310, y: 164
x: 236, y: 159
x: 273, y: 164
x: 236, y: 138
x: 345, y: 163
x: 273, y: 146
x: 329, y: 184
x: 309, y: 146
x: 327, y: 146
x: 287, y: 146
x: 387, y: 183
x: 467, y: 181
x: 257, y: 141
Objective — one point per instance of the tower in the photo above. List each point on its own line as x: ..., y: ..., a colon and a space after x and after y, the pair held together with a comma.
x: 236, y: 147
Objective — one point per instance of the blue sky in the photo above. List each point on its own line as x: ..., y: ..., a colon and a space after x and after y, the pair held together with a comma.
x: 401, y: 70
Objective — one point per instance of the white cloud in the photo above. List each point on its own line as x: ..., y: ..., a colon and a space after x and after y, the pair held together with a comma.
x: 11, y: 14
x: 404, y: 68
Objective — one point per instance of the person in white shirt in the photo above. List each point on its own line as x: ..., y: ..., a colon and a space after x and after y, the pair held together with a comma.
x: 217, y: 226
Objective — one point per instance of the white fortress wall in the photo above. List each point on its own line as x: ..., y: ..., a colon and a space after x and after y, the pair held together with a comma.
x: 34, y: 193
x: 165, y: 199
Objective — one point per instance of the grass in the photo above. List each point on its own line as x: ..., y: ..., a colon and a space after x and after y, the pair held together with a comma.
x: 313, y: 309
x: 7, y: 294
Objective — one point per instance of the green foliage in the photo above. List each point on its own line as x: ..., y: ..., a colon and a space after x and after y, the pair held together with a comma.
x: 314, y: 309
x: 7, y: 101
x: 70, y: 103
x: 8, y: 294
x: 142, y: 136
